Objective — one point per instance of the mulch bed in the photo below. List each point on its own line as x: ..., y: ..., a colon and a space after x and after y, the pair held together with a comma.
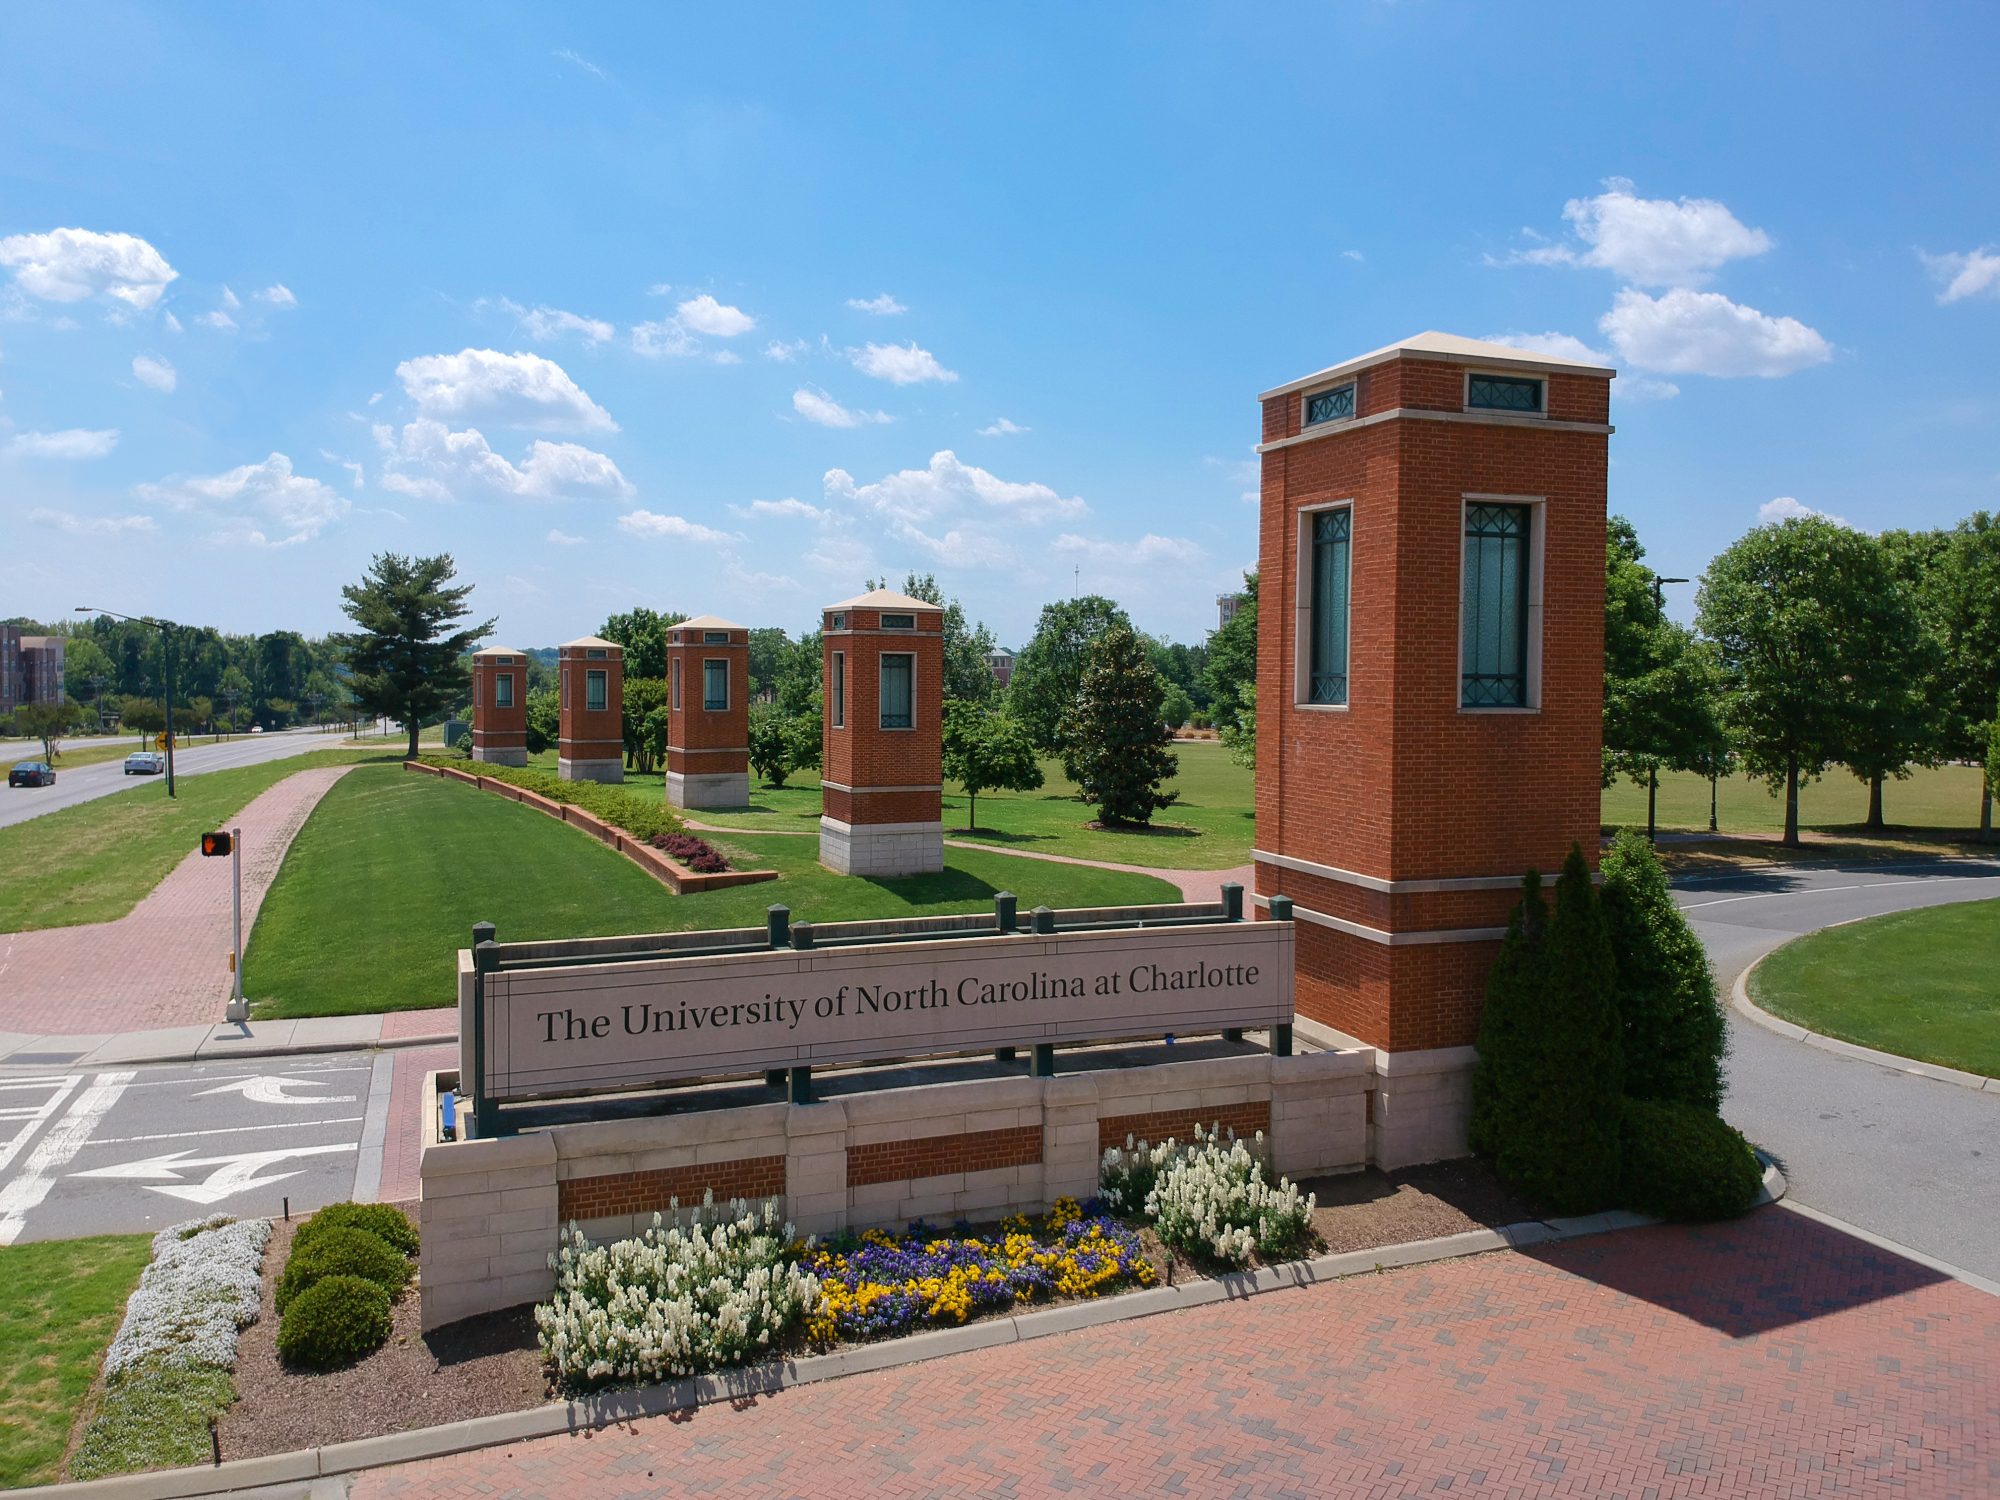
x: 473, y: 1368
x: 1364, y: 1210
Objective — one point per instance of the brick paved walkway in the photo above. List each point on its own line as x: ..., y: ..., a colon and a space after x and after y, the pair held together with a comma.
x: 1771, y: 1357
x: 166, y: 962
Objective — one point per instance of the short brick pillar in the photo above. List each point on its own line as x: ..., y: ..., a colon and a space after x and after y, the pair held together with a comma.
x: 592, y: 692
x: 500, y: 706
x: 708, y: 714
x: 1430, y: 668
x: 882, y: 747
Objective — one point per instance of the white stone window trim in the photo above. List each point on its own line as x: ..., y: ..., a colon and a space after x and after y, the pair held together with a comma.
x: 839, y: 694
x: 503, y: 689
x: 674, y: 687
x: 706, y: 706
x: 1306, y: 424
x: 1465, y: 393
x: 1537, y: 544
x: 593, y: 676
x: 1302, y: 610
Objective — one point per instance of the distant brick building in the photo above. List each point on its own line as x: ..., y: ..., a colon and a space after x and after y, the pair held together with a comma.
x: 1431, y: 665
x: 31, y: 669
x: 708, y: 713
x: 882, y: 747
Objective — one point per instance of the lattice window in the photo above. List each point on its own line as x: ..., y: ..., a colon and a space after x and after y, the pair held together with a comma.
x: 715, y: 686
x: 1330, y: 406
x: 1493, y: 649
x: 899, y: 670
x: 1332, y: 539
x: 1503, y: 393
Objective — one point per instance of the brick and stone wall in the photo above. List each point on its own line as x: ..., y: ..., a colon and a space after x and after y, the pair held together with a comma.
x: 708, y: 749
x: 882, y: 788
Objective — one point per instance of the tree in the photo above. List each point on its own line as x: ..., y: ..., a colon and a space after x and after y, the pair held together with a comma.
x: 1180, y: 666
x: 1238, y: 728
x: 1674, y: 1036
x: 781, y: 742
x: 544, y: 720
x: 1788, y: 607
x: 1232, y: 655
x: 142, y: 715
x: 48, y: 722
x: 1959, y: 597
x: 987, y: 750
x: 1176, y: 707
x: 769, y: 647
x: 282, y: 666
x: 967, y: 673
x: 1895, y: 721
x: 1116, y: 747
x: 644, y: 724
x: 1049, y: 669
x: 643, y: 634
x: 85, y: 668
x: 406, y: 659
x: 1546, y: 1094
x: 800, y: 686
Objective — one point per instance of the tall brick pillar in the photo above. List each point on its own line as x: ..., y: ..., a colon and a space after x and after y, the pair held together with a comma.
x: 500, y: 706
x: 708, y: 714
x: 883, y: 743
x: 591, y: 688
x: 1430, y: 667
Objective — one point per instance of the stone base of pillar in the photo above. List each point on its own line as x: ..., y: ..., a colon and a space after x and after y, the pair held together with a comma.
x: 1422, y: 1106
x: 590, y: 770
x: 720, y: 790
x: 501, y: 755
x: 884, y: 849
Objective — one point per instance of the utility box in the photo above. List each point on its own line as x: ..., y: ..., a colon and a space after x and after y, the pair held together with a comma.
x: 882, y: 745
x: 499, y: 707
x: 591, y: 687
x: 708, y: 714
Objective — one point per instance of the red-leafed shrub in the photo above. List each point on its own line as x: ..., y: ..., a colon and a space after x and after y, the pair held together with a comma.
x: 697, y: 854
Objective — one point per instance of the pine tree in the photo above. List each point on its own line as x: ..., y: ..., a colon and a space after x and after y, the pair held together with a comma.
x: 1674, y: 1035
x: 1511, y: 987
x: 405, y: 660
x: 1116, y: 742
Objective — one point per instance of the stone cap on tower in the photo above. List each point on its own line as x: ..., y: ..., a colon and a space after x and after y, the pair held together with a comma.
x: 887, y: 599
x: 592, y: 643
x: 497, y: 651
x: 707, y: 622
x: 1448, y: 348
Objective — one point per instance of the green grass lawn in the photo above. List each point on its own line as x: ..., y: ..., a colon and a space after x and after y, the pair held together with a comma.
x: 93, y: 862
x: 1945, y: 799
x: 1208, y: 829
x: 382, y: 886
x: 1922, y: 984
x: 60, y: 1302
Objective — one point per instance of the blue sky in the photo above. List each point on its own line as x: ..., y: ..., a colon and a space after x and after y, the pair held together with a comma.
x: 726, y: 310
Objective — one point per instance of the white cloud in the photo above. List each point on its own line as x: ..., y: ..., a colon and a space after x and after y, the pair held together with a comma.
x: 1150, y: 548
x: 1245, y: 473
x: 787, y: 509
x: 230, y: 300
x: 155, y: 372
x: 1965, y: 274
x: 577, y: 60
x: 900, y: 364
x: 1644, y: 388
x: 1355, y: 255
x: 1785, y: 508
x: 648, y: 523
x: 664, y: 339
x: 62, y: 520
x: 546, y: 324
x: 521, y: 390
x: 217, y: 319
x: 785, y: 353
x: 727, y: 357
x: 946, y: 485
x: 71, y: 443
x: 277, y: 294
x: 1650, y: 241
x: 560, y: 538
x: 431, y: 462
x: 356, y: 475
x: 817, y: 406
x: 704, y: 314
x: 1003, y: 428
x: 253, y: 497
x: 173, y: 323
x: 1685, y: 332
x: 660, y: 289
x: 1557, y: 345
x: 883, y: 306
x: 70, y: 265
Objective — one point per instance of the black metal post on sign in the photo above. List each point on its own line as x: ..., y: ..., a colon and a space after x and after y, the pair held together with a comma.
x: 1045, y: 921
x: 485, y: 960
x: 801, y: 1085
x: 1281, y: 1036
x: 802, y: 935
x: 1044, y: 1065
x: 779, y: 921
x: 1232, y: 902
x: 1006, y: 918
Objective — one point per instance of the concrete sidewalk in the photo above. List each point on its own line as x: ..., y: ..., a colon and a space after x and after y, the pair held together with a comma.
x: 198, y: 1042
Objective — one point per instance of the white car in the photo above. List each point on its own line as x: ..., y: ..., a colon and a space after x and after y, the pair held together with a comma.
x: 145, y: 763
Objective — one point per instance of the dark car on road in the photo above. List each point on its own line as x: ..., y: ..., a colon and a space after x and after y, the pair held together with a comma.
x: 32, y: 773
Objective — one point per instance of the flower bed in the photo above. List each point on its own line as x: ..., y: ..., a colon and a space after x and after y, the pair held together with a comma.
x: 879, y: 1285
x: 698, y: 855
x: 1209, y: 1198
x: 644, y: 821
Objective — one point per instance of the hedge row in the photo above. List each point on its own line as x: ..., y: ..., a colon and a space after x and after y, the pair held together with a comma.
x: 348, y: 1262
x: 643, y: 820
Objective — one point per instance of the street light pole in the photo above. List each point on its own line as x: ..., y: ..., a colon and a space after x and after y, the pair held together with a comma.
x: 166, y: 629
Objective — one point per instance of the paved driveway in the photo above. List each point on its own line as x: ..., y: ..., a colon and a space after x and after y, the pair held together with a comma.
x: 1906, y: 1157
x: 83, y: 784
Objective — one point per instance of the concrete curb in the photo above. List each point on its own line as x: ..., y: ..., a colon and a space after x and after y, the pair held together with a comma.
x: 1739, y: 996
x: 212, y: 1050
x: 301, y: 1469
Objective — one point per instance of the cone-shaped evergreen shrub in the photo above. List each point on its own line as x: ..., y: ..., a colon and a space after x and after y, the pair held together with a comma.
x: 1549, y: 1111
x: 1682, y: 1162
x: 1674, y: 1033
x: 1510, y: 995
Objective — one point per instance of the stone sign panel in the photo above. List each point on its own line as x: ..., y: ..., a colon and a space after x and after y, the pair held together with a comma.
x: 627, y: 1025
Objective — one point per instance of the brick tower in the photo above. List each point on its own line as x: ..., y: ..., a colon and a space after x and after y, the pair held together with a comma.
x: 1430, y: 666
x: 883, y: 742
x: 592, y: 694
x: 708, y: 714
x: 500, y: 706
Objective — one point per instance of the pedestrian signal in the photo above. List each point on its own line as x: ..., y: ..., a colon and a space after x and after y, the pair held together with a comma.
x: 216, y: 843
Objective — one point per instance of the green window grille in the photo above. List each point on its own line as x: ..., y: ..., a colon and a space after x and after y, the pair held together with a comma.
x: 503, y: 689
x: 1332, y: 538
x: 899, y: 622
x: 1503, y: 393
x: 1330, y: 406
x: 715, y: 637
x: 898, y: 672
x: 596, y: 691
x: 715, y: 685
x: 840, y: 690
x: 1493, y: 648
x: 677, y: 685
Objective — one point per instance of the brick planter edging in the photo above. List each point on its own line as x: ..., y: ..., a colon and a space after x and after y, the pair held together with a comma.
x: 670, y: 872
x: 589, y: 1413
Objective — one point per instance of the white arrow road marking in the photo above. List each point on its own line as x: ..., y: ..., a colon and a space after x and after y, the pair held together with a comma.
x: 61, y: 1143
x: 270, y: 1089
x: 32, y: 1114
x: 232, y: 1174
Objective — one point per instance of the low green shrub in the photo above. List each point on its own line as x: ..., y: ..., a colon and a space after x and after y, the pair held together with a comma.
x: 641, y: 819
x: 334, y: 1322
x: 342, y: 1252
x: 383, y: 1220
x: 1678, y: 1161
x: 155, y: 1417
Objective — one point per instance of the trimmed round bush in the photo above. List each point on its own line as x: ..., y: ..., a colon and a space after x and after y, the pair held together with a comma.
x: 334, y: 1322
x: 343, y: 1252
x: 1681, y: 1162
x: 381, y: 1219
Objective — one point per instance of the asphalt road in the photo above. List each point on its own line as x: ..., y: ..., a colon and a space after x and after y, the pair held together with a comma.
x: 19, y: 804
x: 1909, y: 1158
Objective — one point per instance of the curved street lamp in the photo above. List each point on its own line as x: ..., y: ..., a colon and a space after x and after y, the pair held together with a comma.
x: 166, y: 629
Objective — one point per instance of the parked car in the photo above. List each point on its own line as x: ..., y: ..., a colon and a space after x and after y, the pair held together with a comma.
x: 145, y: 763
x: 32, y: 773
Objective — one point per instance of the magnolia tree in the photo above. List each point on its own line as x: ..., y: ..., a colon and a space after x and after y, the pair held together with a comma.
x: 987, y: 751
